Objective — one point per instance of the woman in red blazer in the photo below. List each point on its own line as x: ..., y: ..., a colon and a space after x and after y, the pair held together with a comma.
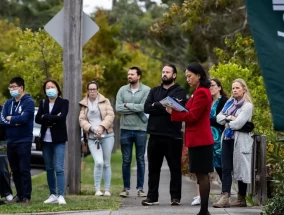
x: 198, y: 135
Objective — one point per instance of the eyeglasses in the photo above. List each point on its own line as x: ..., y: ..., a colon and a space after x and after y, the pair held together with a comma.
x: 92, y: 89
x: 12, y: 87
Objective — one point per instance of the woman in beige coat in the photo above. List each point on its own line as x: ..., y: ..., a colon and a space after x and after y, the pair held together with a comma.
x: 96, y: 120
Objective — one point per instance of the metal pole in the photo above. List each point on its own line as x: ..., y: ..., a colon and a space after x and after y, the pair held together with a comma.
x: 72, y: 89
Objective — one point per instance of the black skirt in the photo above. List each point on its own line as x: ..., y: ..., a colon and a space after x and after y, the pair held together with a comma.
x: 201, y: 159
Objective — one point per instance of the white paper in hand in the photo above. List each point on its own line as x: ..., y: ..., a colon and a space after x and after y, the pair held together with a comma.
x: 170, y: 102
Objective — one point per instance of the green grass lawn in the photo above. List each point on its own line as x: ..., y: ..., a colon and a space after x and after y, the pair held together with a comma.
x: 85, y: 201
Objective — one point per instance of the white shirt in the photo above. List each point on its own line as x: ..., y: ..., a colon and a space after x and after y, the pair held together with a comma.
x: 47, y: 136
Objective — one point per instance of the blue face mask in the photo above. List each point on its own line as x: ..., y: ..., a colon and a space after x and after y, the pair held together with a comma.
x: 14, y: 93
x: 51, y: 93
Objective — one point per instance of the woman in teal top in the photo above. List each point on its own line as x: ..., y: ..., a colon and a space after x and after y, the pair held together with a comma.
x: 219, y: 98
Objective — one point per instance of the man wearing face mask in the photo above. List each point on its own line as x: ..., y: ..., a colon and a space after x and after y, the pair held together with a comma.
x: 18, y: 117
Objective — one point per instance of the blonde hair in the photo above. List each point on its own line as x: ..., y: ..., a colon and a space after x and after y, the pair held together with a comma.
x: 247, y: 95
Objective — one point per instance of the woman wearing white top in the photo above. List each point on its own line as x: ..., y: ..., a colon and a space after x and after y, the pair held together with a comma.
x: 96, y: 120
x: 52, y: 113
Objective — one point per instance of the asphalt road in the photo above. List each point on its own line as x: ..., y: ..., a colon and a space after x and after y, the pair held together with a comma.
x: 36, y: 171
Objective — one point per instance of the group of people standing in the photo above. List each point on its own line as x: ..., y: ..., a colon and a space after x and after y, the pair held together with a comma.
x: 212, y: 135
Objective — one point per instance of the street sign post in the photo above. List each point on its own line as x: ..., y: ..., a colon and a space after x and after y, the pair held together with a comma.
x: 72, y: 28
x: 55, y: 27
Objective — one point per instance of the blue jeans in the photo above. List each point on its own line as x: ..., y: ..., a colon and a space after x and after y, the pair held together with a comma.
x: 53, y: 155
x: 102, y: 158
x: 19, y: 156
x: 127, y: 138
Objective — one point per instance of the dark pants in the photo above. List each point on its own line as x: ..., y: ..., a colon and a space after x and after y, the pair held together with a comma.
x: 227, y: 165
x: 19, y: 156
x: 158, y: 148
x: 5, y: 188
x: 219, y: 172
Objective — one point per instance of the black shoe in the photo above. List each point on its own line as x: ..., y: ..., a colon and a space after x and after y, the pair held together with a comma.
x: 25, y: 202
x: 147, y: 202
x: 208, y: 213
x: 16, y: 199
x: 175, y: 202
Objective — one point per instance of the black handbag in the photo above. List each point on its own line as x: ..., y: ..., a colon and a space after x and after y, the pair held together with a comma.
x: 248, y: 127
x: 38, y: 138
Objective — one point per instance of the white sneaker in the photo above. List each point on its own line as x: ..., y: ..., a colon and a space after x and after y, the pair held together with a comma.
x: 52, y: 199
x: 9, y: 197
x: 61, y: 200
x: 99, y: 193
x: 140, y: 193
x: 107, y: 193
x: 196, y: 201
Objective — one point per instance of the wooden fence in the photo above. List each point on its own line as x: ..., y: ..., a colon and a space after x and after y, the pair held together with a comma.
x: 258, y: 187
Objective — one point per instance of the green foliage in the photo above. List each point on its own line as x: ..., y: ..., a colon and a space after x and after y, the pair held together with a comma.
x: 7, y: 45
x: 276, y: 153
x: 249, y: 200
x: 34, y: 14
x: 151, y: 69
x: 201, y: 25
x: 37, y: 58
x: 238, y: 60
x: 274, y: 205
x: 106, y: 51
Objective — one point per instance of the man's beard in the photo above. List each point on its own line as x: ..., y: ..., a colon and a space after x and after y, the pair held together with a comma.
x: 132, y: 81
x: 168, y: 81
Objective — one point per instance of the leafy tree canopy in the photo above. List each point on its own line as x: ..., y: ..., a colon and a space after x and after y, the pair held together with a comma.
x: 238, y: 60
x: 34, y: 14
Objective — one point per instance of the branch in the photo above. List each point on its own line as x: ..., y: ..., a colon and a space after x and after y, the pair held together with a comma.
x: 241, y: 7
x: 44, y: 60
x: 144, y: 51
x: 239, y: 29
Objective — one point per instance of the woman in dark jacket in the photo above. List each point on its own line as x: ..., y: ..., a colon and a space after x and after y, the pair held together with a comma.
x: 52, y: 115
x: 219, y: 98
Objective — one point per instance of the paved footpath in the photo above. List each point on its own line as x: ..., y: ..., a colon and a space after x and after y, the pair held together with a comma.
x: 132, y: 204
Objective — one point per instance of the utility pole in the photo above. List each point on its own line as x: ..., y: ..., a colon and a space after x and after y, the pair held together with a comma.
x: 72, y: 89
x: 72, y: 28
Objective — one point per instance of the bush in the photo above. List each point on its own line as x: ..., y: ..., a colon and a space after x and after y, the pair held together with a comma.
x: 238, y: 60
x: 274, y: 206
x: 184, y: 160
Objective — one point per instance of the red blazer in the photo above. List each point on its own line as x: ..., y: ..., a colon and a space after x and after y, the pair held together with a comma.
x: 197, y: 119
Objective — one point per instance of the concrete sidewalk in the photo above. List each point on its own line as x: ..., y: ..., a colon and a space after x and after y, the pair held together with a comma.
x: 132, y: 205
